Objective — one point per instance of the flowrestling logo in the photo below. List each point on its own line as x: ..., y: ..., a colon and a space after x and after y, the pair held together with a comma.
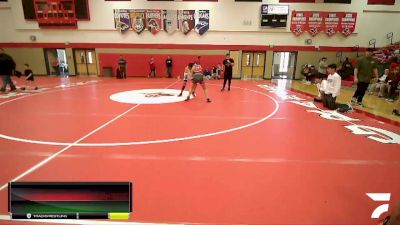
x: 379, y: 197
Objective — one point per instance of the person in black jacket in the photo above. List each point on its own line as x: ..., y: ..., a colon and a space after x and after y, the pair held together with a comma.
x: 168, y: 63
x: 122, y: 67
x: 7, y: 68
x: 228, y: 64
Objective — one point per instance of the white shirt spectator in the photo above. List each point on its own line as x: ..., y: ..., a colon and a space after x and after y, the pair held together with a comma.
x: 334, y: 83
x: 382, y: 78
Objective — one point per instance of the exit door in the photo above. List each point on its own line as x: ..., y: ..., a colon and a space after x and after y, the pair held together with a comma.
x: 253, y: 64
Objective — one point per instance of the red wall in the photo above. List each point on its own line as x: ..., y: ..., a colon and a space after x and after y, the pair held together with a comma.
x: 138, y: 64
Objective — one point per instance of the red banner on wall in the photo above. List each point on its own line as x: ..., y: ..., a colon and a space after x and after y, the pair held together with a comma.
x: 299, y: 22
x: 348, y: 23
x: 328, y: 22
x: 315, y: 23
x: 153, y: 20
x: 186, y: 20
x: 332, y: 22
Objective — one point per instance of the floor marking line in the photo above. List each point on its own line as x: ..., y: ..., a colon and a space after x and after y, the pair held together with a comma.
x: 156, y: 141
x: 46, y: 92
x: 66, y: 148
x: 35, y: 167
x: 69, y: 88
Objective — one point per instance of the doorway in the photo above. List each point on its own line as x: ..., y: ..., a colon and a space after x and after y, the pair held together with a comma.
x: 85, y: 61
x: 284, y: 65
x: 253, y: 65
x: 56, y: 61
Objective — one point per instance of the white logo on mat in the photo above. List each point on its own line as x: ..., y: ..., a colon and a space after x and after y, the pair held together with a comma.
x: 149, y: 96
x: 379, y: 197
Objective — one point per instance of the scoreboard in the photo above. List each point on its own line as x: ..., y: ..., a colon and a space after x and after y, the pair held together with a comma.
x: 274, y: 16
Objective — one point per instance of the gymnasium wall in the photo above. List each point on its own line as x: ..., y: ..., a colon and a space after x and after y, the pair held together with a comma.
x: 138, y: 59
x: 227, y: 32
x: 226, y: 25
x: 108, y: 57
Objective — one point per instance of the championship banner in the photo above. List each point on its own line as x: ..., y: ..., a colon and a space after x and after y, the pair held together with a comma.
x: 153, y: 20
x: 299, y: 22
x: 170, y: 21
x: 138, y: 17
x: 202, y: 21
x: 348, y: 23
x: 186, y: 20
x: 332, y: 22
x: 122, y: 19
x: 315, y: 23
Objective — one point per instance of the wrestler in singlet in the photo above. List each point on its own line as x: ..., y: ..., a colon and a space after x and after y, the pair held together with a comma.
x: 198, y: 78
x: 187, y: 75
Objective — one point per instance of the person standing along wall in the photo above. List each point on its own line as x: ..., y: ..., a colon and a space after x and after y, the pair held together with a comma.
x: 152, y: 65
x: 122, y: 67
x: 322, y: 65
x: 365, y: 69
x: 227, y: 64
x: 168, y: 63
x: 7, y: 68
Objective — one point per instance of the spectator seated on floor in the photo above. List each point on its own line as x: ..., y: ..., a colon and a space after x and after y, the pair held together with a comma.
x: 304, y: 71
x: 346, y: 70
x: 309, y: 72
x: 207, y: 74
x: 393, y: 83
x: 215, y: 73
x: 385, y: 87
x: 376, y: 87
